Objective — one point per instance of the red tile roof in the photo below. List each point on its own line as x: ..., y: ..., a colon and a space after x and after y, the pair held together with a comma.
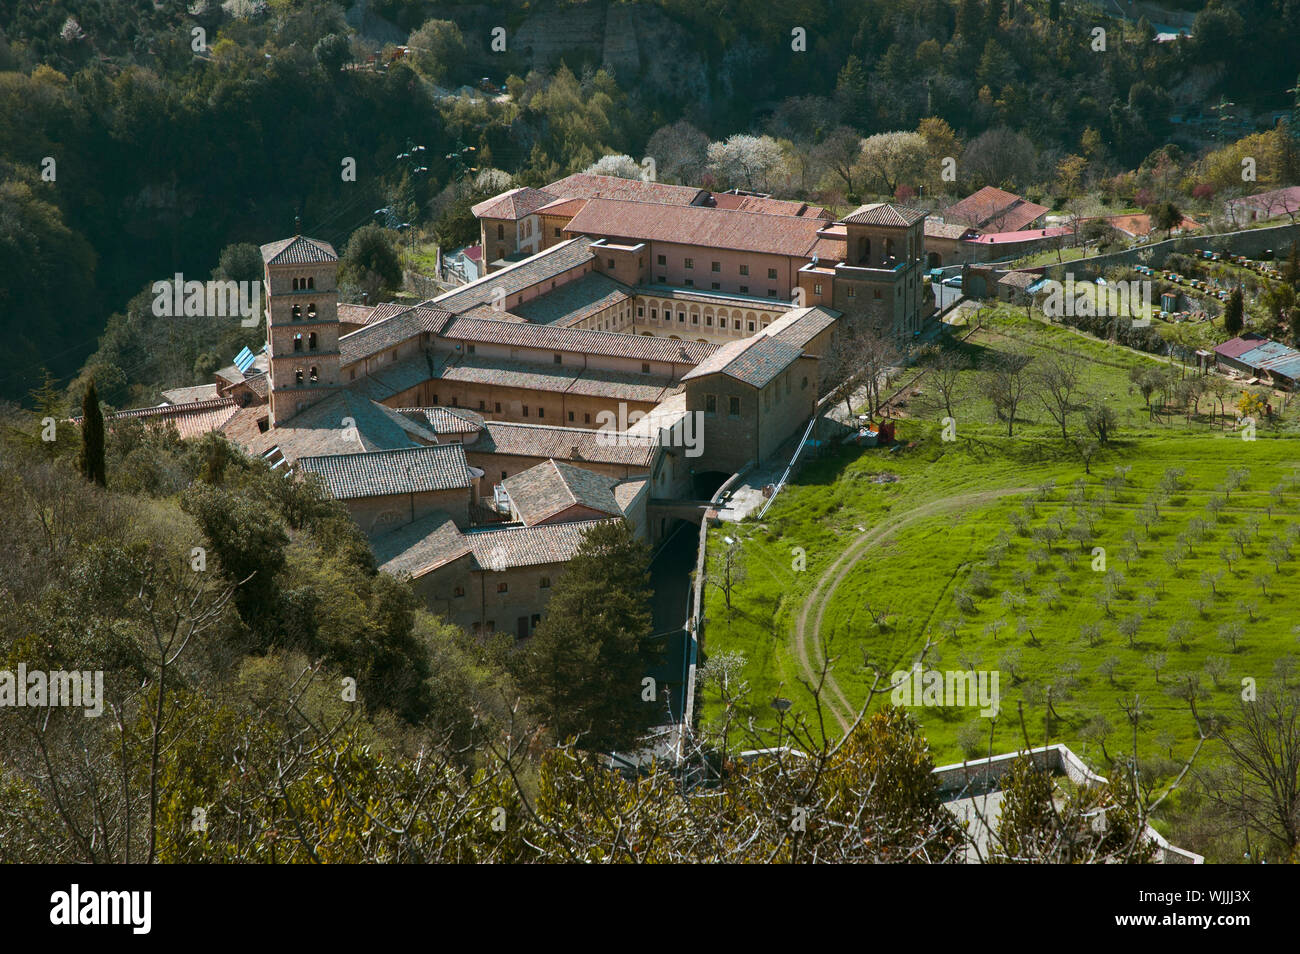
x: 884, y: 213
x: 1024, y: 235
x: 765, y: 204
x: 190, y: 420
x: 512, y: 205
x: 584, y: 186
x: 298, y: 250
x: 580, y: 340
x: 996, y: 208
x: 788, y: 235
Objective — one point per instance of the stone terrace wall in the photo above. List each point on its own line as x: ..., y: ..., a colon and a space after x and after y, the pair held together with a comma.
x: 1249, y: 242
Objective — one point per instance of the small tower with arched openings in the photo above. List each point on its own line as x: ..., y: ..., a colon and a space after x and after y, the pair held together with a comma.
x: 302, y: 324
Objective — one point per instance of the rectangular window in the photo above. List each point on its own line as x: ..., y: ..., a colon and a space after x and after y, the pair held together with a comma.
x: 690, y: 283
x: 503, y: 588
x: 497, y: 404
x: 663, y: 279
x: 557, y: 359
x: 744, y: 289
x: 751, y: 327
x: 817, y: 288
x: 708, y: 320
x: 482, y: 405
x: 717, y: 266
x: 733, y: 407
x: 557, y: 231
x: 771, y: 273
x: 771, y: 293
x: 877, y: 294
x: 695, y: 319
x: 640, y: 311
x: 570, y: 415
x: 545, y: 583
x: 681, y: 317
x: 710, y: 404
x: 663, y: 259
x: 716, y: 286
x: 688, y: 263
x: 525, y: 410
x: 458, y: 591
x: 744, y: 269
x: 586, y: 418
x: 610, y: 262
x: 851, y: 292
x: 645, y: 367
x: 469, y: 349
x: 654, y: 314
x: 541, y: 413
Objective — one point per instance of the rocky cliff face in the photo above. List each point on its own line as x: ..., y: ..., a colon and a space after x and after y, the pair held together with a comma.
x: 637, y: 42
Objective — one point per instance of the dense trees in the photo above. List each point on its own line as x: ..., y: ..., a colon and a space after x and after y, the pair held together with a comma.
x: 370, y: 263
x: 582, y: 671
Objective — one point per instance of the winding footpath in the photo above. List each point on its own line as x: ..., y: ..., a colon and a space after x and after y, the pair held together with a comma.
x: 809, y: 651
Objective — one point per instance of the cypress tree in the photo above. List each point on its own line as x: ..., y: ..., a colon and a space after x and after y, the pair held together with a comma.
x: 1234, y: 314
x: 92, y: 438
x: 582, y: 669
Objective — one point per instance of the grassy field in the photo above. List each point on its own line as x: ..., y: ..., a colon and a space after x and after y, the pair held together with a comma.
x: 990, y: 548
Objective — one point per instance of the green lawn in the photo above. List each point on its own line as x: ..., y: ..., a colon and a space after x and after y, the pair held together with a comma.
x: 993, y: 588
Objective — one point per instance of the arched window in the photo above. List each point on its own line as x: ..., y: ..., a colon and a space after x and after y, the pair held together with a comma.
x: 297, y: 341
x: 311, y: 281
x: 297, y: 377
x: 889, y: 248
x: 314, y: 376
x: 311, y: 341
x: 296, y: 312
x: 311, y: 310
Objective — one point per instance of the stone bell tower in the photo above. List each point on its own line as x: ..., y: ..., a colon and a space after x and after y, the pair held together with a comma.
x: 302, y: 324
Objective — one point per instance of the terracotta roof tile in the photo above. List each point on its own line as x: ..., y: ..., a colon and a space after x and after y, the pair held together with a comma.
x: 192, y: 419
x: 391, y: 331
x: 788, y: 235
x: 420, y: 547
x: 754, y: 361
x: 551, y: 487
x: 584, y: 186
x: 884, y: 213
x: 579, y: 340
x: 513, y: 205
x: 999, y: 210
x: 508, y: 547
x: 298, y: 250
x: 382, y: 473
x: 574, y: 301
x: 576, y: 444
x: 518, y: 276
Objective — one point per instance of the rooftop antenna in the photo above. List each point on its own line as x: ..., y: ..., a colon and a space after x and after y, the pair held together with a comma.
x: 297, y: 225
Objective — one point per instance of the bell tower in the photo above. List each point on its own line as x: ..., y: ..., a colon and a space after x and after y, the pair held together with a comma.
x: 302, y: 324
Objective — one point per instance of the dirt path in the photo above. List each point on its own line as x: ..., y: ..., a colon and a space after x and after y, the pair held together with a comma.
x: 813, y: 610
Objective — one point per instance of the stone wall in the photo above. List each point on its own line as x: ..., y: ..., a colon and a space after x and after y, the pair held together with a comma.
x: 1248, y: 242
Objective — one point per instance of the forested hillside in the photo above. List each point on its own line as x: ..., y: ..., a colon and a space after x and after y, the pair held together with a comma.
x: 139, y: 140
